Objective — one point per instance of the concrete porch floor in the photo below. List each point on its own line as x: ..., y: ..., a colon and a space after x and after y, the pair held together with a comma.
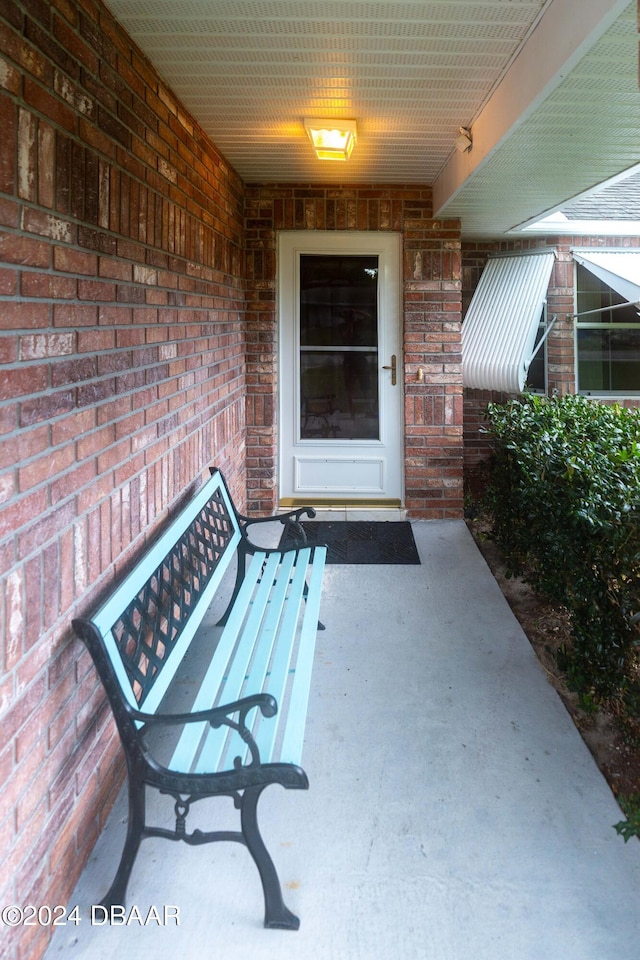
x: 454, y: 812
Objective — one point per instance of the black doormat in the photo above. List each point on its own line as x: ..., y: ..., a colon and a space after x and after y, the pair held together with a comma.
x: 359, y: 541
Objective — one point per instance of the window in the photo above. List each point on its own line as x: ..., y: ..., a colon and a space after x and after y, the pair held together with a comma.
x: 607, y: 339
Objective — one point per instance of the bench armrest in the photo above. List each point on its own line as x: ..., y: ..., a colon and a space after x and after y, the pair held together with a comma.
x: 290, y: 519
x: 218, y: 717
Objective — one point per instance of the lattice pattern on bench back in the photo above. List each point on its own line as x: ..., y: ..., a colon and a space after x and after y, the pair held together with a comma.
x: 149, y: 628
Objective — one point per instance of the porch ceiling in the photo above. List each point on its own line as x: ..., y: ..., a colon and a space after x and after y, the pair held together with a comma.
x: 549, y: 89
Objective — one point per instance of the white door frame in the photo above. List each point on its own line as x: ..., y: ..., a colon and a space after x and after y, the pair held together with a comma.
x: 330, y: 470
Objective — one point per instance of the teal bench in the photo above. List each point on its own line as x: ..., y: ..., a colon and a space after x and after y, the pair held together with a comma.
x: 244, y: 728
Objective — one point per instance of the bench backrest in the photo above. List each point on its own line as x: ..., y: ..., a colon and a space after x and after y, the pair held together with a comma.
x: 150, y: 619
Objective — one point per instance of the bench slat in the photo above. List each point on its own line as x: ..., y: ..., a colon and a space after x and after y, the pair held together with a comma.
x: 280, y: 676
x: 255, y: 680
x: 294, y: 736
x: 232, y: 684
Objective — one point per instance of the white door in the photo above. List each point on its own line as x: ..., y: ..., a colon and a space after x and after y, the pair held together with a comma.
x: 341, y: 424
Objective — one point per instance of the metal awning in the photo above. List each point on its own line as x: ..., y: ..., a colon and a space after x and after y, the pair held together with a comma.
x: 500, y: 328
x: 619, y: 269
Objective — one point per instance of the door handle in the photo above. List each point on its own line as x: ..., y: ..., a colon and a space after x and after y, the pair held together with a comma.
x: 392, y: 367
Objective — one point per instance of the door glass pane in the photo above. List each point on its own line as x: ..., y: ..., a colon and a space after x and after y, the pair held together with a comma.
x: 339, y: 347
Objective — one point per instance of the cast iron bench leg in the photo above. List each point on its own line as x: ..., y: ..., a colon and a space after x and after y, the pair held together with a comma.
x: 276, y: 914
x: 135, y: 830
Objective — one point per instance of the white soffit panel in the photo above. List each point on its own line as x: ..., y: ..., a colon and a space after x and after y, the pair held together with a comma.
x: 411, y: 72
x: 499, y: 330
x: 619, y: 270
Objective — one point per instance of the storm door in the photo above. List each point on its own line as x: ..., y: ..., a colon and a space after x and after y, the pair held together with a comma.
x: 340, y: 371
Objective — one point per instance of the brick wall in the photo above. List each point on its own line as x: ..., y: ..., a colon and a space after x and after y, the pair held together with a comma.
x: 431, y: 294
x: 121, y: 380
x: 560, y: 343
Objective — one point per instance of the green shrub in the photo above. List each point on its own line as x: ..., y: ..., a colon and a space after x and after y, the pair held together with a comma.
x: 564, y: 496
x: 631, y: 826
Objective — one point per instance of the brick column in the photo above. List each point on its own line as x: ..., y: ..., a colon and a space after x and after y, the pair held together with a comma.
x: 560, y: 343
x: 433, y: 368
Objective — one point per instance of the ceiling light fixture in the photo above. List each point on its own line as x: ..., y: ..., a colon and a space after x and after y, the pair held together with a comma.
x: 464, y: 141
x: 331, y: 139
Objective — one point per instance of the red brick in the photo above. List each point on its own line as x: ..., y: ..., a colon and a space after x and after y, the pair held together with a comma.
x: 47, y: 286
x: 73, y: 371
x: 92, y: 394
x: 113, y: 269
x: 91, y: 341
x: 22, y: 381
x: 8, y: 350
x: 74, y: 261
x: 114, y: 316
x: 63, y: 724
x: 42, y: 345
x: 8, y: 282
x: 132, y: 337
x: 68, y: 315
x: 95, y: 533
x: 96, y: 290
x: 22, y: 51
x: 65, y: 585
x: 24, y: 250
x: 45, y: 407
x: 47, y: 225
x: 7, y: 157
x: 27, y: 154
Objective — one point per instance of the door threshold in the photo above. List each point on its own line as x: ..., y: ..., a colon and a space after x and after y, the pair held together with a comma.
x: 339, y: 503
x: 376, y: 510
x: 371, y: 514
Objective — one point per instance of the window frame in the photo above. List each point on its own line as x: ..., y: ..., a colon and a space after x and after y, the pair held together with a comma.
x: 543, y: 326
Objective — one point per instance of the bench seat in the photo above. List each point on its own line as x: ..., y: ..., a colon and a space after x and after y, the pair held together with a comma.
x: 259, y: 651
